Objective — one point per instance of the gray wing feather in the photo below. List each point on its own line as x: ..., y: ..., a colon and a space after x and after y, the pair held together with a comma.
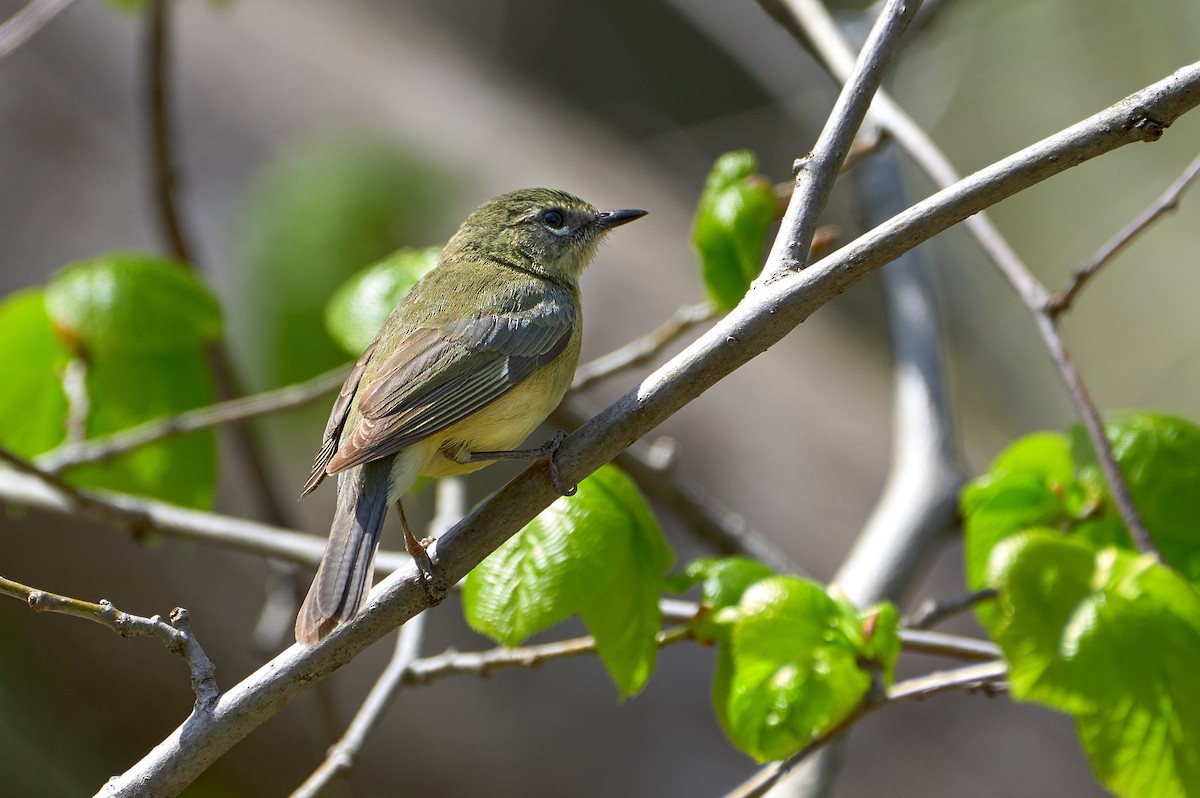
x: 437, y: 377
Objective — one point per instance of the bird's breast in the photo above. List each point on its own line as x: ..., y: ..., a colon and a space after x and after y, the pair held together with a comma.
x: 504, y: 424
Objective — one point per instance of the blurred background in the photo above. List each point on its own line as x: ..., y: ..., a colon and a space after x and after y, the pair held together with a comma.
x: 314, y: 138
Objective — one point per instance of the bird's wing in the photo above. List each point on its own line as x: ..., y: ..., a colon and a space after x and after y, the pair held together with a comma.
x: 438, y: 376
x: 337, y: 419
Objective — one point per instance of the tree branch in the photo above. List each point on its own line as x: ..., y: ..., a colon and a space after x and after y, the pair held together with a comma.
x: 33, y: 16
x: 1094, y: 425
x: 932, y: 612
x: 1060, y: 301
x: 177, y: 635
x: 816, y: 172
x: 813, y: 24
x: 343, y: 754
x: 260, y: 404
x: 640, y: 350
x: 451, y: 505
x: 766, y: 314
x: 44, y: 491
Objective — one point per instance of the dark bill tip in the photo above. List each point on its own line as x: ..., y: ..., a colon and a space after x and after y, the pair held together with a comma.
x: 609, y: 219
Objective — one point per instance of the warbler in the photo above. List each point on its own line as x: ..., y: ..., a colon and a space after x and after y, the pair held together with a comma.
x: 469, y: 363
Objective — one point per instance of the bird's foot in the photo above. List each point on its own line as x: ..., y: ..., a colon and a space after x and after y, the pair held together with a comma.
x: 545, y: 452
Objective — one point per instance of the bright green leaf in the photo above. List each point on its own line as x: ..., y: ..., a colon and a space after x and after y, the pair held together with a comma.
x: 1113, y: 638
x: 599, y: 554
x: 1033, y: 483
x: 1159, y: 456
x: 128, y: 388
x: 723, y: 580
x: 734, y: 212
x: 132, y: 302
x: 33, y: 407
x: 794, y: 665
x: 359, y: 308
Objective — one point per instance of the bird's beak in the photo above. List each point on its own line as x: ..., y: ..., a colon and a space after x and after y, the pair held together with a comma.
x: 611, y: 219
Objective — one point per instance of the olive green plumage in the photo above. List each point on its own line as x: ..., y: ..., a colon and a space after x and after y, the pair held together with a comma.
x: 477, y: 354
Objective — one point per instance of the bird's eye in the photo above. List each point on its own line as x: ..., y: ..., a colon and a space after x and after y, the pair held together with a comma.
x: 553, y: 219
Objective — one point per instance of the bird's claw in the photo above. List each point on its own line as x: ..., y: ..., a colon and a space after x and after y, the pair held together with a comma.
x: 551, y: 449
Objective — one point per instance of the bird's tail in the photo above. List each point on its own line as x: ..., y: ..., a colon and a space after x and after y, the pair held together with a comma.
x: 344, y: 576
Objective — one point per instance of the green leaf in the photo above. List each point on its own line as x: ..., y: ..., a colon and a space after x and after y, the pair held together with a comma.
x: 1032, y: 484
x: 794, y: 664
x: 132, y: 302
x: 723, y: 580
x: 33, y: 408
x: 735, y: 210
x: 359, y: 308
x: 1113, y: 638
x: 128, y: 388
x: 1159, y: 456
x: 141, y: 325
x: 599, y: 554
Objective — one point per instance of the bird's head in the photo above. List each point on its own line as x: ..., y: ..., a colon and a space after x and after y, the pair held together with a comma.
x: 549, y: 233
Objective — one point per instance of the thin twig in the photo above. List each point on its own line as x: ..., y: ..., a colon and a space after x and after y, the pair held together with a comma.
x: 163, y: 169
x: 482, y: 663
x: 343, y: 754
x: 158, y: 109
x: 812, y: 23
x: 1118, y: 488
x: 141, y: 517
x: 932, y: 612
x: 1168, y: 201
x: 971, y: 678
x: 817, y: 172
x: 79, y: 404
x: 177, y: 635
x: 763, y: 318
x: 920, y: 641
x: 640, y: 350
x: 820, y: 31
x: 450, y: 506
x: 32, y: 17
x: 230, y: 410
x: 73, y: 500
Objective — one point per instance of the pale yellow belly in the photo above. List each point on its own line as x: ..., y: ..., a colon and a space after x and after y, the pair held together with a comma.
x: 501, y: 426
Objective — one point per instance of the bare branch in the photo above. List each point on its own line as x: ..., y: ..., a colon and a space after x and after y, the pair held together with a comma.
x: 44, y: 491
x: 177, y: 635
x: 163, y: 171
x: 230, y: 410
x: 820, y: 32
x: 765, y: 315
x: 343, y: 754
x: 1060, y: 301
x: 79, y: 404
x: 158, y: 114
x: 932, y: 612
x: 640, y: 350
x: 482, y: 663
x: 451, y: 505
x: 1094, y: 425
x: 816, y: 172
x: 33, y: 16
x: 919, y: 641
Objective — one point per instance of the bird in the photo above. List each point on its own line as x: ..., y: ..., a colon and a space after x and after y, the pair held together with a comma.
x: 472, y: 359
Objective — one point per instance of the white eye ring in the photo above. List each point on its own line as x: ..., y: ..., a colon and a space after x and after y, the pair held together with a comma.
x: 555, y: 221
